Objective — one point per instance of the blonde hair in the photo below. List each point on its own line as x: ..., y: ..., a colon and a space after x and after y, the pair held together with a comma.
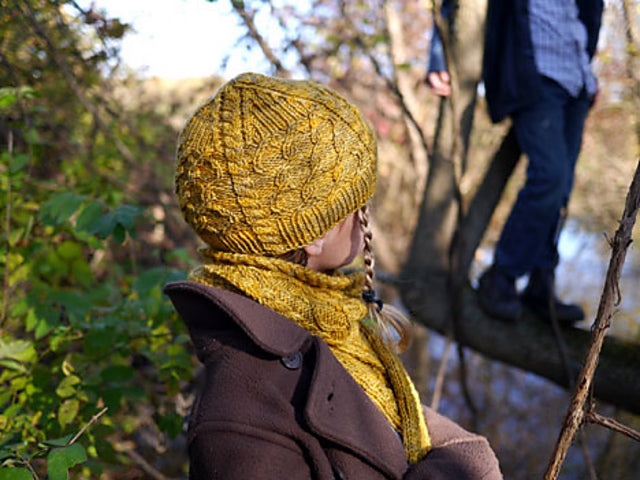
x: 383, y: 316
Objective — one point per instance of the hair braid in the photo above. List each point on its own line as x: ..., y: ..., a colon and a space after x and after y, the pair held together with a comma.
x: 383, y: 316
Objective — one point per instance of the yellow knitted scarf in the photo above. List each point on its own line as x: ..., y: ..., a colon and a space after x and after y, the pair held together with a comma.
x: 330, y: 307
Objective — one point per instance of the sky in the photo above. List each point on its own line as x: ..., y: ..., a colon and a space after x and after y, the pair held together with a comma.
x: 182, y: 38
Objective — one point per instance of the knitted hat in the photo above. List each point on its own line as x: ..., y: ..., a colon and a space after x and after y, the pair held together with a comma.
x: 268, y: 165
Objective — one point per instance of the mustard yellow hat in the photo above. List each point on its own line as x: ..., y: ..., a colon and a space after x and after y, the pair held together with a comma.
x: 269, y: 165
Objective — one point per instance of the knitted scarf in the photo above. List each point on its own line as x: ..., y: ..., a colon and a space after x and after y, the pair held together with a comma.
x: 329, y: 306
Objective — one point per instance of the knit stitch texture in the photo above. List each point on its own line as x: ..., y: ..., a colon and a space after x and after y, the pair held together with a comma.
x: 269, y: 165
x: 329, y: 306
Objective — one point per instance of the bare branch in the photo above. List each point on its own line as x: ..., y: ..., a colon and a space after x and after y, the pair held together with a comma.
x: 93, y: 420
x: 593, y: 417
x: 401, y: 100
x: 254, y: 33
x: 140, y: 461
x: 575, y: 414
x: 442, y: 368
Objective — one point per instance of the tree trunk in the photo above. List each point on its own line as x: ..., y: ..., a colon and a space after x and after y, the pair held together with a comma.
x: 530, y: 344
x: 438, y: 216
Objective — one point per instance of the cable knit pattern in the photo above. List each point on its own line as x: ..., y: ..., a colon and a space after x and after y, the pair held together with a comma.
x: 330, y: 307
x: 269, y: 165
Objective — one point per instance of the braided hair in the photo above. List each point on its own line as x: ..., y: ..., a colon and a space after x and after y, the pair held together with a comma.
x: 384, y: 316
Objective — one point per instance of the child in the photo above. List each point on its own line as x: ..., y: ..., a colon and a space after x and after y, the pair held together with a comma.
x: 300, y: 379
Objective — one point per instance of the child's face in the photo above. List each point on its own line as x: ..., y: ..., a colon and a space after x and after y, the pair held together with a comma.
x: 340, y: 245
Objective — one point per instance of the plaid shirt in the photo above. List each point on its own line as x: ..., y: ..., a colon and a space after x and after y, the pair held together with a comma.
x: 560, y: 45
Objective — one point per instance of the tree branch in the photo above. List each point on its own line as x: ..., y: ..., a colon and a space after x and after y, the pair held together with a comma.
x: 254, y: 33
x: 593, y: 417
x: 620, y: 243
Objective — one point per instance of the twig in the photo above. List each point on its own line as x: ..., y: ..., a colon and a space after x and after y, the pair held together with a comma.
x: 466, y: 393
x: 247, y: 19
x: 140, y: 461
x: 93, y: 420
x: 621, y: 242
x: 29, y: 466
x: 593, y: 417
x: 437, y: 391
x: 403, y: 104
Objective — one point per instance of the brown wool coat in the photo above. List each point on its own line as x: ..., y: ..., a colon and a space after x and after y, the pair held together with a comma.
x: 277, y: 404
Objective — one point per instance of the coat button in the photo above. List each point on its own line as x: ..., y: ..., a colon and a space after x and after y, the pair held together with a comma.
x: 293, y: 362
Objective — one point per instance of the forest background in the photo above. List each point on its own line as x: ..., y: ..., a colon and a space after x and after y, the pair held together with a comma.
x: 96, y: 371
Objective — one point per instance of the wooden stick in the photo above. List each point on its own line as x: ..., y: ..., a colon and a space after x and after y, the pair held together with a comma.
x: 620, y: 243
x: 93, y: 420
x: 593, y: 417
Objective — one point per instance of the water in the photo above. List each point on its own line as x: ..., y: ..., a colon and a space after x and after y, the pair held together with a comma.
x: 580, y: 277
x: 521, y: 413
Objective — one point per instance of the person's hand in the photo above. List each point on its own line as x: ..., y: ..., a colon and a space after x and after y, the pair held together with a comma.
x: 440, y: 83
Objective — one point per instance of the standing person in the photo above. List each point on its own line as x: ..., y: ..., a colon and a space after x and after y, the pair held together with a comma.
x: 537, y: 71
x: 301, y: 380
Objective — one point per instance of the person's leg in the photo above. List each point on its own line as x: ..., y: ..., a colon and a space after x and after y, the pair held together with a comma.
x: 576, y: 111
x: 534, y: 217
x: 539, y: 129
x: 539, y: 296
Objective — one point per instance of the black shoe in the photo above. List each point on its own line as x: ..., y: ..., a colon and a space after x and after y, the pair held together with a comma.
x: 539, y: 297
x: 497, y: 295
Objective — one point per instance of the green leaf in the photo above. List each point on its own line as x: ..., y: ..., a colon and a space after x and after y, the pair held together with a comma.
x: 171, y: 424
x: 126, y: 215
x: 19, y: 350
x: 147, y: 280
x: 31, y: 321
x: 60, y: 207
x: 60, y: 460
x: 43, y: 327
x: 102, y: 226
x: 69, y: 250
x: 119, y: 233
x: 81, y: 271
x: 77, y: 304
x: 66, y: 387
x: 98, y: 342
x: 18, y: 162
x: 117, y: 373
x: 88, y: 216
x: 15, y: 473
x: 7, y: 97
x: 13, y: 365
x: 68, y: 411
x: 59, y: 442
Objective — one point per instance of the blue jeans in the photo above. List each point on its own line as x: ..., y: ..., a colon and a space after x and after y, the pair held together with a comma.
x: 550, y: 134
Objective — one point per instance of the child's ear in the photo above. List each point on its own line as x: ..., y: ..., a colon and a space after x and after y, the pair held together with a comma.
x: 314, y: 248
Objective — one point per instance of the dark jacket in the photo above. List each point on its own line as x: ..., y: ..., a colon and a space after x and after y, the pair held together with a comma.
x: 277, y: 404
x: 509, y: 70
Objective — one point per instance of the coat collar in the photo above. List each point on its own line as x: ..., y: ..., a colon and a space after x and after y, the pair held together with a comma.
x: 270, y: 331
x: 337, y: 409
